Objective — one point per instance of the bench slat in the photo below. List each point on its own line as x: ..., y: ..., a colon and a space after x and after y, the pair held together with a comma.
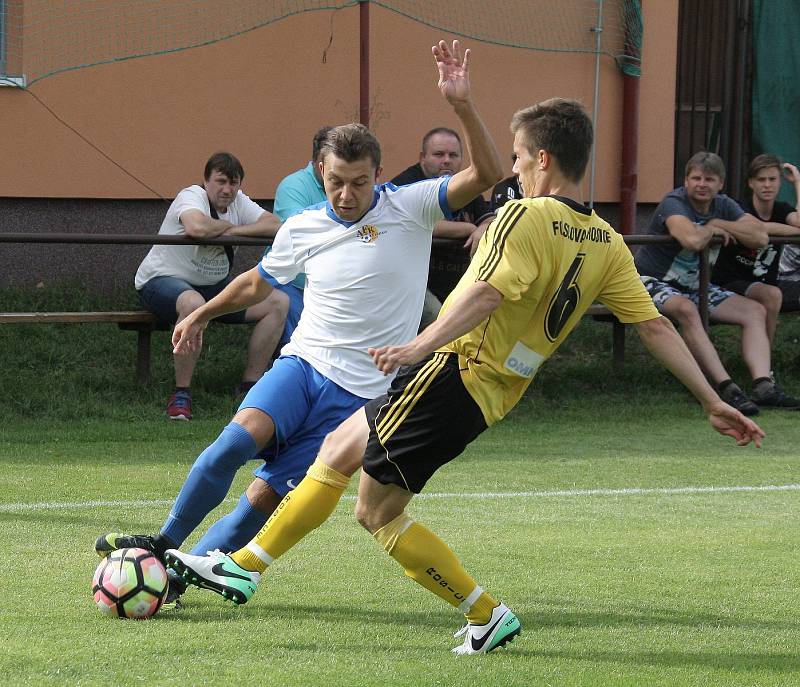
x: 132, y: 316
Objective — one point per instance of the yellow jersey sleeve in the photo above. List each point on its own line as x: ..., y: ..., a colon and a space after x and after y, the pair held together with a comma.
x: 624, y: 294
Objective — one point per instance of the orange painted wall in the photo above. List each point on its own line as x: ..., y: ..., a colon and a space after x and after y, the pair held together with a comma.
x: 263, y: 94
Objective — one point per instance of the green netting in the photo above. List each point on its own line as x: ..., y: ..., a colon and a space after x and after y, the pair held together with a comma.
x: 39, y: 38
x: 776, y: 100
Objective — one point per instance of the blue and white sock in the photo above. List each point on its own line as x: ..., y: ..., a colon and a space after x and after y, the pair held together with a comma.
x: 233, y: 531
x: 209, y: 481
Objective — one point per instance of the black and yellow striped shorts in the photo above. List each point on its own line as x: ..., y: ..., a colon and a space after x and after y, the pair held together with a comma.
x: 425, y: 420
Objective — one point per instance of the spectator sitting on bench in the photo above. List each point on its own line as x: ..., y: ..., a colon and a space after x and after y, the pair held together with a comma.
x: 441, y: 155
x: 693, y: 214
x: 753, y: 272
x: 173, y: 281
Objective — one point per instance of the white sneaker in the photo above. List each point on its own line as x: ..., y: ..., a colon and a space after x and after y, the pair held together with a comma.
x: 502, y: 627
x: 217, y: 572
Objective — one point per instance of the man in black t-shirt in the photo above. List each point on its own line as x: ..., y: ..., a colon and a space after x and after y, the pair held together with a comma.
x: 753, y: 272
x: 441, y: 156
x: 503, y: 191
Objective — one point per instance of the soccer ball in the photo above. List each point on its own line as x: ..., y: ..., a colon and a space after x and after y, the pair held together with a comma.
x: 130, y: 583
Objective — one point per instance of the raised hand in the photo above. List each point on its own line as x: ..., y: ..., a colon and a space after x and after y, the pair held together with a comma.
x: 791, y: 173
x: 453, y: 71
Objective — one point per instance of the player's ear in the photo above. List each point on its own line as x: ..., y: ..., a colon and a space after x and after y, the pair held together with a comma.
x: 545, y: 159
x: 378, y: 172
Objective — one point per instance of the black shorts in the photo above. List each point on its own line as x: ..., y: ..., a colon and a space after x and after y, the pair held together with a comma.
x: 425, y: 421
x: 791, y: 295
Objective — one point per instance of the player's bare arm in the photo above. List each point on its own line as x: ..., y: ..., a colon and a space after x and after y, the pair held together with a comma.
x: 485, y: 168
x: 473, y: 307
x: 666, y: 345
x: 198, y: 225
x: 747, y: 230
x: 267, y: 226
x: 246, y: 290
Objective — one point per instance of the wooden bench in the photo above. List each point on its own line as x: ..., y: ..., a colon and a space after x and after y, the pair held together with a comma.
x: 144, y: 323
x: 603, y: 314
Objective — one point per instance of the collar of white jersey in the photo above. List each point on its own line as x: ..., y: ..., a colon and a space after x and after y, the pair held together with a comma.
x: 329, y: 209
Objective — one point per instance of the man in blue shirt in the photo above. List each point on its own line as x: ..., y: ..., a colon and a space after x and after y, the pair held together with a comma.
x: 296, y: 192
x: 303, y: 187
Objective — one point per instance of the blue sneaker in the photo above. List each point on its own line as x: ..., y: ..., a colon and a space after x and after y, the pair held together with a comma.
x: 502, y: 627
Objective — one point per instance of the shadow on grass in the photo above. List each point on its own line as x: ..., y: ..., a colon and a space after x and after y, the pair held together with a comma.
x: 746, y: 662
x: 531, y: 621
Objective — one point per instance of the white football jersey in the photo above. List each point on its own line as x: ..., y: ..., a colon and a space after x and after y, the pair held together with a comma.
x: 365, y: 280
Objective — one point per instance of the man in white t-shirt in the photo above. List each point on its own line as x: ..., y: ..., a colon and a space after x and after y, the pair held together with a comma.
x: 174, y: 281
x: 365, y: 254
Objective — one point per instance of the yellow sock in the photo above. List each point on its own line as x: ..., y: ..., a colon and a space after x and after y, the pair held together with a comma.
x: 302, y: 510
x: 427, y: 560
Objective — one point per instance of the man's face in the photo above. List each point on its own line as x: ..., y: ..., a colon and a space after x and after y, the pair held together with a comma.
x: 221, y: 190
x: 526, y: 167
x: 702, y: 186
x: 766, y: 183
x: 442, y: 156
x: 349, y: 185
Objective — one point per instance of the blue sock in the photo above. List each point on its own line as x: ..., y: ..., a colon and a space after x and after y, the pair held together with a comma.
x: 209, y: 481
x: 233, y: 531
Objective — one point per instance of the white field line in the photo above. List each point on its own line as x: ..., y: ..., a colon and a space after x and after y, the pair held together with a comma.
x: 565, y: 493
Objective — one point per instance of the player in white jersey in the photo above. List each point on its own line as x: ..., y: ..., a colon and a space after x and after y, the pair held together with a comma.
x: 365, y: 254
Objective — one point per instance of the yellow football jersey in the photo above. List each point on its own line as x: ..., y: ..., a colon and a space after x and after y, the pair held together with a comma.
x: 551, y: 259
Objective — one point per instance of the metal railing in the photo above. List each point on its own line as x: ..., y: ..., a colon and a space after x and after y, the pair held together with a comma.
x: 160, y: 239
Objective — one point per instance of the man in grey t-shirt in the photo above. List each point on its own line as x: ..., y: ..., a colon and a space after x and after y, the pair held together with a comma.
x: 693, y: 215
x: 173, y: 281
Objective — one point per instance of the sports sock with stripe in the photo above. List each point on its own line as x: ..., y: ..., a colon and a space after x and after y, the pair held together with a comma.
x: 302, y: 510
x: 209, y: 481
x: 232, y: 531
x: 428, y: 561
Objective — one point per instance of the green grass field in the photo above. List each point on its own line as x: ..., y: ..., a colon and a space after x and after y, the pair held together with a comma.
x: 636, y: 546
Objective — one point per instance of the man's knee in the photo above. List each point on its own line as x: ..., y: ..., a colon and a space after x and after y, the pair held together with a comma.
x: 188, y: 302
x: 343, y: 449
x: 682, y: 311
x: 262, y: 496
x: 750, y: 310
x: 370, y: 519
x: 273, y: 307
x: 278, y: 303
x: 771, y: 297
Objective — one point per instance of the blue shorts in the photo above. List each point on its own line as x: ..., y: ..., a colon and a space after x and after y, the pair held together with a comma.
x: 305, y: 406
x: 160, y: 294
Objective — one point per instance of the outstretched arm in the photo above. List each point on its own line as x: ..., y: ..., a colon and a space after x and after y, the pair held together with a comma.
x: 246, y: 290
x: 485, y: 168
x: 666, y: 345
x: 473, y: 306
